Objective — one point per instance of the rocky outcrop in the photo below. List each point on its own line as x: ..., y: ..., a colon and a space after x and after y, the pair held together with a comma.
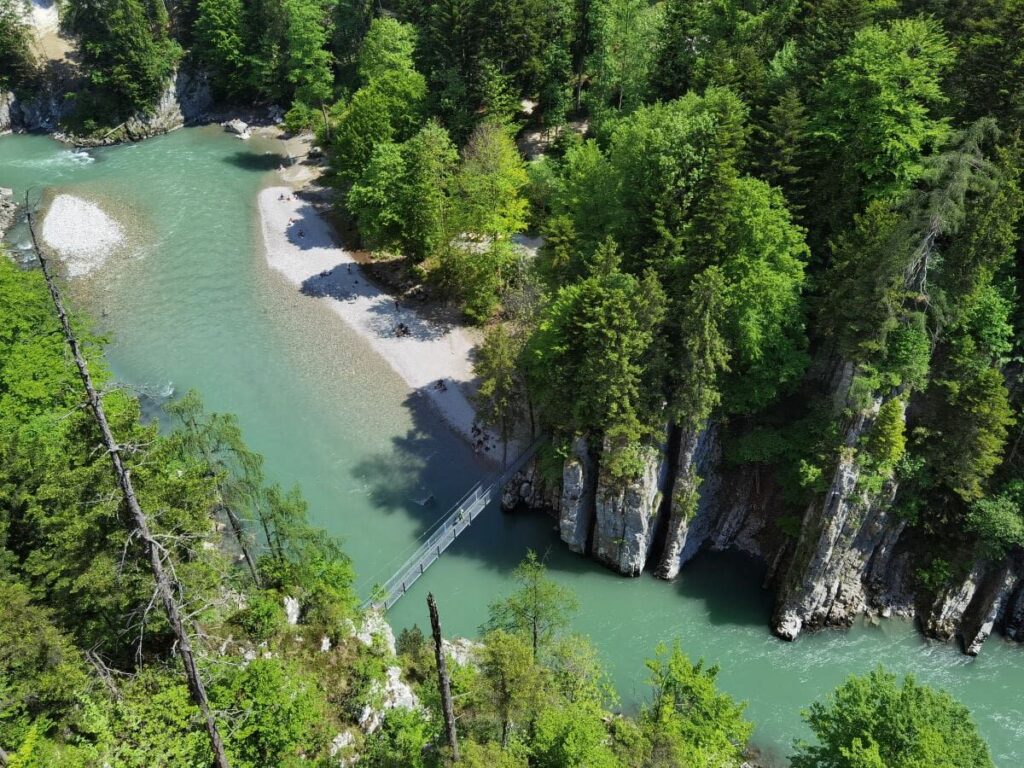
x: 576, y: 509
x: 6, y: 100
x: 239, y: 128
x: 186, y: 99
x: 692, y: 507
x: 1014, y: 615
x: 8, y: 209
x: 988, y: 605
x: 626, y: 516
x: 529, y: 488
x: 391, y: 693
x: 848, y: 554
x: 840, y: 536
x: 949, y: 607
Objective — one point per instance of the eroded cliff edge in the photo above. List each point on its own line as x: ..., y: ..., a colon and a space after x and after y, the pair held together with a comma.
x: 846, y: 553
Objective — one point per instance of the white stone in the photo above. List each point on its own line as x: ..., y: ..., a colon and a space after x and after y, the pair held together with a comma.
x: 237, y: 127
x: 462, y: 650
x: 393, y: 693
x: 81, y: 233
x: 374, y: 627
x: 291, y: 610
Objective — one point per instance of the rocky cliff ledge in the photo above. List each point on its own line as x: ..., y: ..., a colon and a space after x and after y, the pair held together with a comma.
x: 851, y: 554
x: 185, y: 100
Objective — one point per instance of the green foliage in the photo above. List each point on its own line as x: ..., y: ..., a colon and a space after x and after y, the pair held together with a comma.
x: 284, y: 713
x: 887, y: 442
x: 585, y: 362
x: 263, y: 618
x: 308, y: 63
x: 387, y: 107
x: 219, y: 44
x: 720, y: 43
x: 126, y: 52
x: 689, y: 722
x: 874, y: 720
x: 499, y: 396
x: 403, y: 198
x: 877, y: 112
x: 401, y: 742
x: 572, y: 736
x: 17, y: 60
x: 491, y: 182
x: 41, y: 672
x: 538, y: 610
x: 623, y: 34
x: 998, y: 520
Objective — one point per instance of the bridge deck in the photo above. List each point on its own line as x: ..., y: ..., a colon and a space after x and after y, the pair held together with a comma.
x: 445, y: 531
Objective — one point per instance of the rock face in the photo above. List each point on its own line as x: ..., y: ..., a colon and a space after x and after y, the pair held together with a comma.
x: 239, y: 128
x: 576, y: 501
x: 393, y: 693
x: 6, y: 100
x: 826, y: 583
x: 851, y: 553
x: 8, y: 209
x: 691, y: 511
x: 988, y: 606
x: 626, y: 515
x: 186, y: 99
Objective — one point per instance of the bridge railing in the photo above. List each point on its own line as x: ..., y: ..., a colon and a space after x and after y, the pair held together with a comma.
x: 447, y: 530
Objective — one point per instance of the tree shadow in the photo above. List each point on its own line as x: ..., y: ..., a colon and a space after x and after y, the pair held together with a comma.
x: 259, y: 163
x: 427, y: 470
x: 390, y: 317
x: 729, y: 584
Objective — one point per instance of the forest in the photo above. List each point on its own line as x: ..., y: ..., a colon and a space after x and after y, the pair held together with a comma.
x: 92, y: 669
x: 794, y: 225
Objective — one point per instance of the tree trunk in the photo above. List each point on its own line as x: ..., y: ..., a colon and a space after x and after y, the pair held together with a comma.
x: 444, y: 682
x: 165, y: 588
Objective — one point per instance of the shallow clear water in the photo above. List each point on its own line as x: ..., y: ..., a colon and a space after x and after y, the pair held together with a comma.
x: 190, y: 303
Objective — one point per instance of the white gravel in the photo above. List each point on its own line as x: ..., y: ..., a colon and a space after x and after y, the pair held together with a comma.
x: 81, y: 234
x: 299, y: 244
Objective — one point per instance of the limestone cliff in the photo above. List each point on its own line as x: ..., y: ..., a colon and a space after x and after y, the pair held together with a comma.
x: 850, y: 554
x: 626, y: 516
x: 691, y: 511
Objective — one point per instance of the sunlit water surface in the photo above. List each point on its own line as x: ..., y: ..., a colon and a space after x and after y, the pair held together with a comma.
x: 190, y: 303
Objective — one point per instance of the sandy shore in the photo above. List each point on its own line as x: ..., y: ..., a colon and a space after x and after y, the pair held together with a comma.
x: 300, y: 245
x: 81, y: 234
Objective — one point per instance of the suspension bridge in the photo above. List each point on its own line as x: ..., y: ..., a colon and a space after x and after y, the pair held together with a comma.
x: 443, y: 533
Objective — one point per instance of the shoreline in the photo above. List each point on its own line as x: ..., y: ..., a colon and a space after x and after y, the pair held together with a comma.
x: 300, y: 245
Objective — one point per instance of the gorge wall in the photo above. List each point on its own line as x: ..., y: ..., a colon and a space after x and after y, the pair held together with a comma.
x: 851, y: 555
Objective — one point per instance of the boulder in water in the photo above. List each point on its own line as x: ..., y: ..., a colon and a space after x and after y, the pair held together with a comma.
x: 238, y: 127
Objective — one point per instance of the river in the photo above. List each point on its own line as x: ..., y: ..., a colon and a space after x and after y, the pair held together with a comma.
x: 191, y: 303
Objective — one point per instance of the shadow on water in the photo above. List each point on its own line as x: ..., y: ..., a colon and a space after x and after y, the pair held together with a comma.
x: 250, y: 161
x: 426, y: 470
x: 728, y: 585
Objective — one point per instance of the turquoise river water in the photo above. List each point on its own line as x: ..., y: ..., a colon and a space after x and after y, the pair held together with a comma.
x: 191, y: 303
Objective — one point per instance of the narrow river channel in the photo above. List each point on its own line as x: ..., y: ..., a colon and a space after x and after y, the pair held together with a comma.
x: 191, y: 304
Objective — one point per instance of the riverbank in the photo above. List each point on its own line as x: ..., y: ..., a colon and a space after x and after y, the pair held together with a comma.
x: 300, y: 245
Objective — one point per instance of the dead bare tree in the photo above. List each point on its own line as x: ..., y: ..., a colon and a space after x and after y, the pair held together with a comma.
x: 444, y: 681
x: 164, y: 586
